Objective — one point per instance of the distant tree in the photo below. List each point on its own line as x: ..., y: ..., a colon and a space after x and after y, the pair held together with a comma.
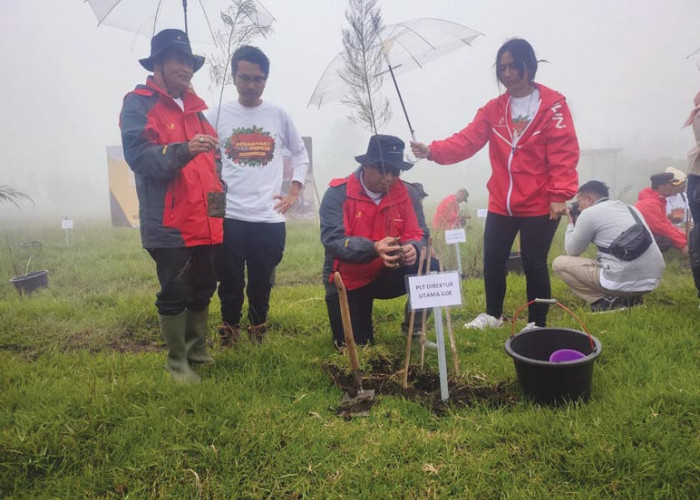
x: 11, y: 195
x: 362, y: 55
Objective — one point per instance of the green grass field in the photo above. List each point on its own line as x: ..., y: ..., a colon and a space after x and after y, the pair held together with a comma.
x: 87, y: 410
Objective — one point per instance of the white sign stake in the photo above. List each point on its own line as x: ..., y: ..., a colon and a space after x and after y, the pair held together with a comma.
x: 436, y: 290
x: 67, y: 225
x: 455, y: 237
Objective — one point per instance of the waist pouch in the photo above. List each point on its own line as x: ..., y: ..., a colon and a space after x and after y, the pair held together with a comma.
x: 632, y: 242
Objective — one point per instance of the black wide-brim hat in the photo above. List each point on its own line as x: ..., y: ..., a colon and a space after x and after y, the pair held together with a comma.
x: 171, y: 39
x: 385, y: 149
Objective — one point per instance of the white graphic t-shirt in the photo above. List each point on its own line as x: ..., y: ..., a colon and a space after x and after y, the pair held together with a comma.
x: 252, y: 141
x: 522, y: 111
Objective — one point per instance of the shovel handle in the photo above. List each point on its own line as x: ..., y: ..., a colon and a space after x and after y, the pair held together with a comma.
x: 347, y: 324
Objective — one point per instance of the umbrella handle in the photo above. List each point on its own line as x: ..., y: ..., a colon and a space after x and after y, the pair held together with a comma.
x: 403, y: 106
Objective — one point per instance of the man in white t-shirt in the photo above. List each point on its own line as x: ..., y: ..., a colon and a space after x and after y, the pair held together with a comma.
x: 252, y: 135
x: 677, y: 207
x: 607, y: 283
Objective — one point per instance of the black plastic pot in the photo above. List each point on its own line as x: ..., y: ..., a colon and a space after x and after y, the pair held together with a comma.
x: 553, y: 383
x: 31, y: 282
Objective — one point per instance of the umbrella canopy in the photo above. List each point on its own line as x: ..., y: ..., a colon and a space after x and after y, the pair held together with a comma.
x: 406, y: 45
x: 203, y: 20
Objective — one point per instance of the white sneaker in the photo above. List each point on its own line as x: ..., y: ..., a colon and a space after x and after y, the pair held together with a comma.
x: 529, y: 326
x: 483, y: 320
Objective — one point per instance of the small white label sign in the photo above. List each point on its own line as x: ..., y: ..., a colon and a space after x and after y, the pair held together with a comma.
x: 67, y: 224
x: 481, y: 213
x: 455, y: 236
x: 435, y: 290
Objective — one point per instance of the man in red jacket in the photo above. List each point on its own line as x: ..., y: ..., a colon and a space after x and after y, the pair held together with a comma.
x: 171, y: 148
x: 371, y: 235
x: 652, y: 205
x: 447, y: 213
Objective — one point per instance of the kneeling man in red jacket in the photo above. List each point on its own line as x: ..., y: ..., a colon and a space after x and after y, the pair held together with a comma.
x: 652, y: 205
x: 370, y: 234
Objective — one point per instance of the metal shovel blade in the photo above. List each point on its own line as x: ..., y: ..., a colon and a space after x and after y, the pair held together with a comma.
x: 358, y: 405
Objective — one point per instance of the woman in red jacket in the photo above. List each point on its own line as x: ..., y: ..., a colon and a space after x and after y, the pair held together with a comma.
x: 533, y: 151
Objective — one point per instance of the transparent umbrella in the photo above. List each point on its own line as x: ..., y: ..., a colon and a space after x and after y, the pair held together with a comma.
x: 406, y: 45
x: 205, y: 21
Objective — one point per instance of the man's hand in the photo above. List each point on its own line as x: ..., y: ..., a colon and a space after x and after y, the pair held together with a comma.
x: 408, y: 255
x: 684, y: 250
x: 284, y: 203
x: 556, y: 209
x: 389, y: 250
x: 202, y: 143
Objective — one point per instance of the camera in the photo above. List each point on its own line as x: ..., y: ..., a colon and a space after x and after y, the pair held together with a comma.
x: 574, y: 211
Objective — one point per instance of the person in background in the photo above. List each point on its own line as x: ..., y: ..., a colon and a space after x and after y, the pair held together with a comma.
x: 253, y: 134
x: 652, y: 205
x: 172, y: 149
x: 371, y: 236
x: 693, y: 191
x: 534, y: 152
x: 677, y: 208
x: 606, y: 283
x: 447, y: 214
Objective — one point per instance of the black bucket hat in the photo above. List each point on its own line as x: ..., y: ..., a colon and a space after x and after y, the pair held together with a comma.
x: 660, y: 179
x: 171, y: 39
x: 385, y: 149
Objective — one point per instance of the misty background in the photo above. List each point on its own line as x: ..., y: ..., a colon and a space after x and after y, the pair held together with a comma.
x: 621, y: 64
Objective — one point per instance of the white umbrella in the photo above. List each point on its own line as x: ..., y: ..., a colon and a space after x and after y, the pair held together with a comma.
x: 406, y: 45
x: 204, y: 21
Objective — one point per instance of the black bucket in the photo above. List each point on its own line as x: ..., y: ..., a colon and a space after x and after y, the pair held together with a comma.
x: 547, y: 382
x: 551, y: 382
x: 30, y: 282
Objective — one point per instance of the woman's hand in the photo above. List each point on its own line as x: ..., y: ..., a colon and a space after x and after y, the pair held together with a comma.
x: 420, y: 150
x: 556, y: 209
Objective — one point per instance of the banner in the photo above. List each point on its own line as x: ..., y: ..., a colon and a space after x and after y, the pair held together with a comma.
x: 124, y: 205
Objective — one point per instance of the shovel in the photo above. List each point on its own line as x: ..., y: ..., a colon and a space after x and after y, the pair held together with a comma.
x: 359, y: 403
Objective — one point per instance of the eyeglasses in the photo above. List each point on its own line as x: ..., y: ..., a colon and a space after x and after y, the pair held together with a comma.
x: 255, y: 79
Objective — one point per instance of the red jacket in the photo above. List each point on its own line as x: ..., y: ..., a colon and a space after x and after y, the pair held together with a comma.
x: 540, y: 169
x: 447, y: 213
x: 653, y: 207
x: 172, y: 186
x: 351, y: 222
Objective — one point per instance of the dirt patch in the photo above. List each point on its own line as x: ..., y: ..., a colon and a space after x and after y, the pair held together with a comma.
x: 383, y: 375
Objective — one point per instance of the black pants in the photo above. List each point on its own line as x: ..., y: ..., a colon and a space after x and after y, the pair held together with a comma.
x: 390, y: 284
x: 536, y: 234
x: 187, y: 278
x: 663, y: 242
x: 257, y: 247
x: 693, y: 200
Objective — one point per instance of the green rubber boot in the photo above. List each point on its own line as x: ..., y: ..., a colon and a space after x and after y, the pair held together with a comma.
x: 196, y: 337
x: 173, y: 330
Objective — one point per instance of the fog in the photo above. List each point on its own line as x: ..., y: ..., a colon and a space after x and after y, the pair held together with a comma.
x: 621, y: 64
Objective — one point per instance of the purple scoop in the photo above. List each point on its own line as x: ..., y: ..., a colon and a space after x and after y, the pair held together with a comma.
x: 563, y: 355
